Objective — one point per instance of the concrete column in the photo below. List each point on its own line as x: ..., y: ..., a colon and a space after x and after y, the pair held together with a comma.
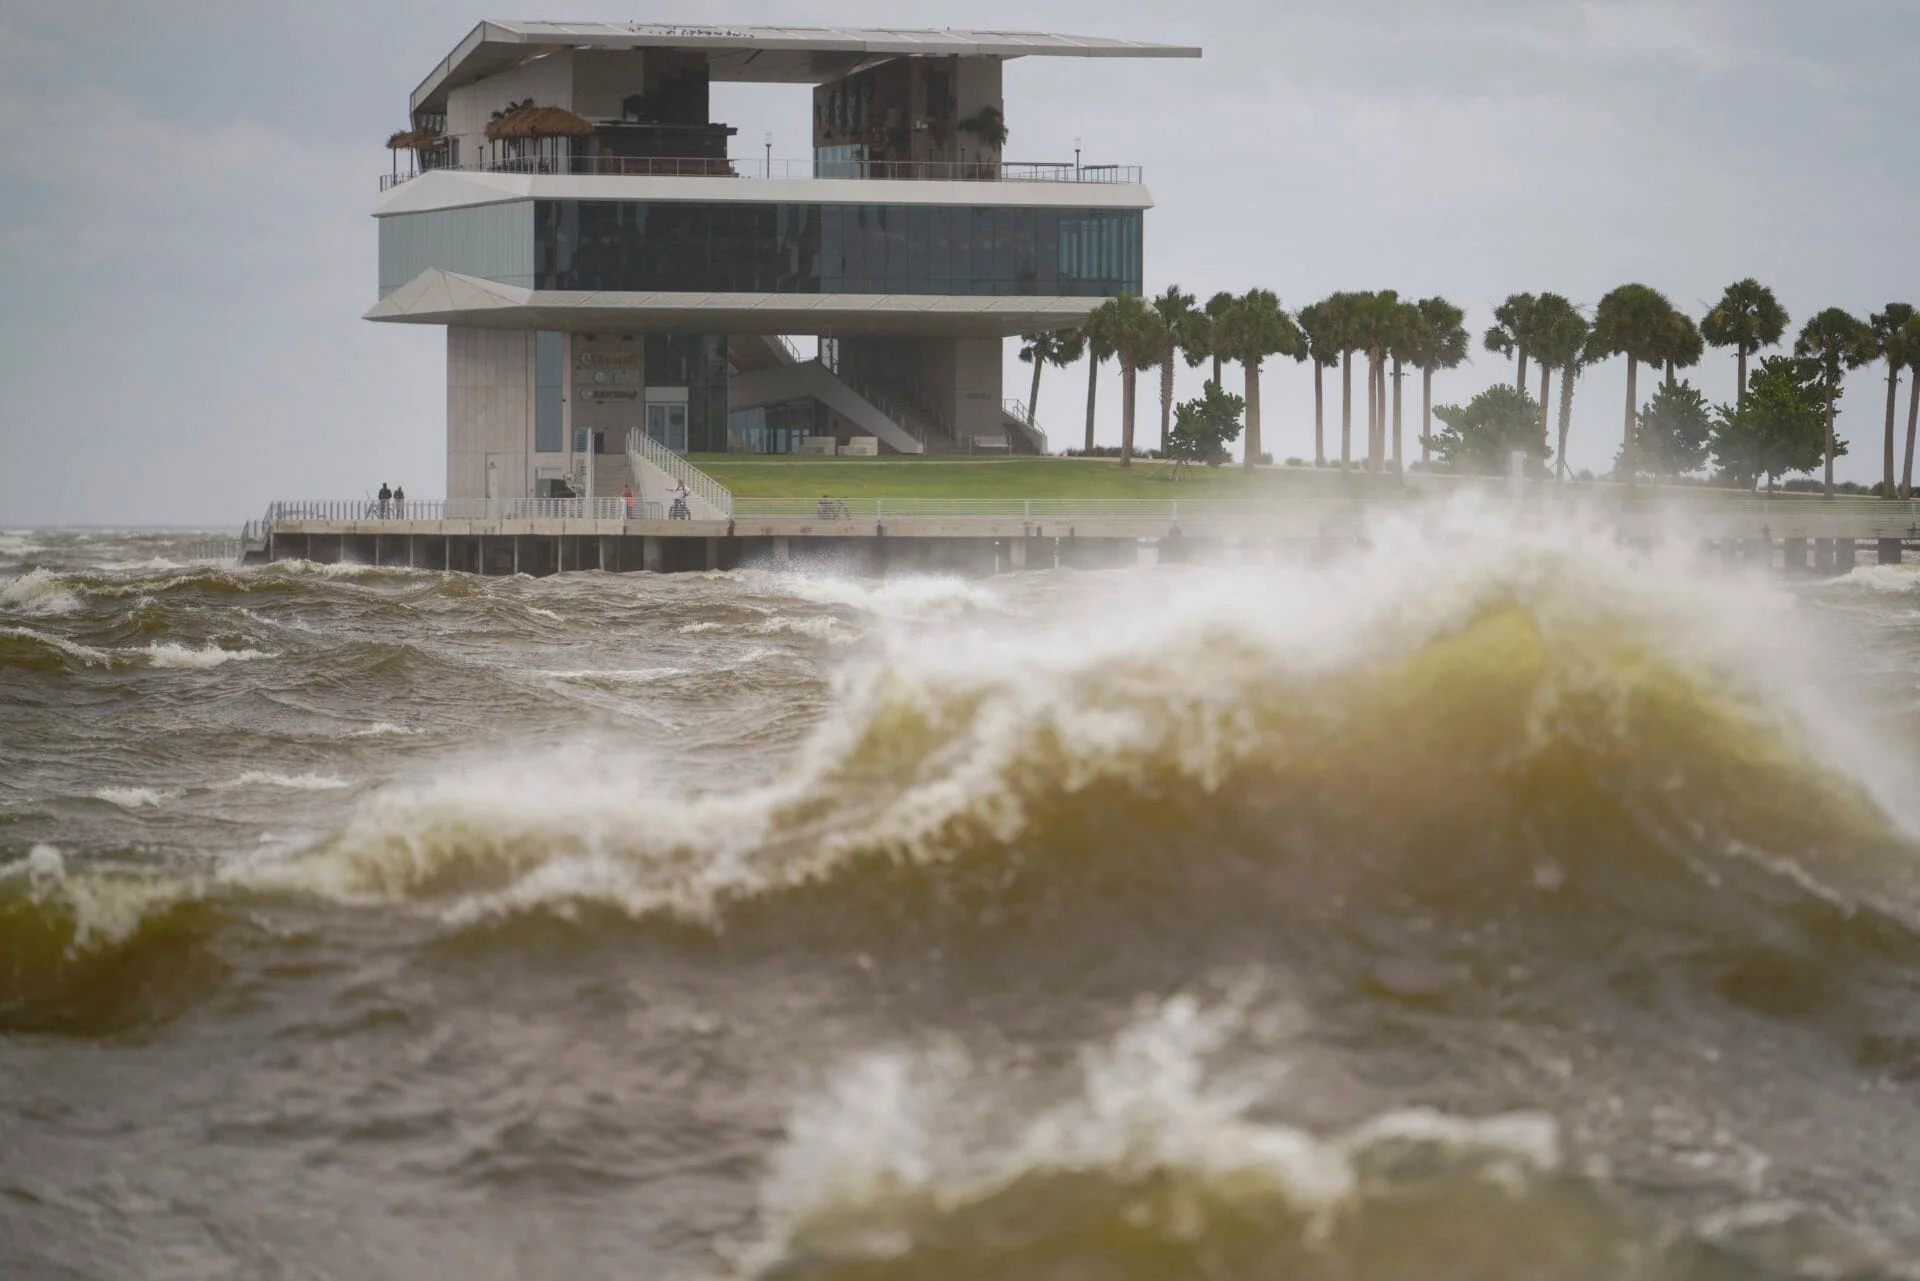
x: 1823, y: 555
x: 1889, y: 551
x: 1016, y: 553
x: 653, y: 551
x: 782, y: 550
x: 713, y: 554
x: 1794, y: 557
x: 1844, y: 550
x: 1757, y: 553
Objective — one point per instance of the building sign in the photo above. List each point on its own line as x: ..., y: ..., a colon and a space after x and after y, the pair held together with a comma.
x: 609, y: 393
x: 609, y: 359
x: 609, y: 376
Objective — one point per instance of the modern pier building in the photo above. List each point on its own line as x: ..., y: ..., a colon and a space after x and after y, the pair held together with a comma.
x: 564, y: 204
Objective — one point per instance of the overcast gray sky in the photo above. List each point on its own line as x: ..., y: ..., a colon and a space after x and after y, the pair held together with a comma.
x: 185, y: 246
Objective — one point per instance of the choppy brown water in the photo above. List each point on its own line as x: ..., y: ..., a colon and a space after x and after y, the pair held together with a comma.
x: 1495, y: 904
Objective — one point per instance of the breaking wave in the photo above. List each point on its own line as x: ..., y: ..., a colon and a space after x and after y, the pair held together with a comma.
x: 919, y: 1165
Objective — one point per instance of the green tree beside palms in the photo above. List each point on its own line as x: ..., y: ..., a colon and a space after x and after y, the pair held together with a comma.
x: 1747, y: 318
x: 1673, y: 430
x: 1483, y: 435
x: 1776, y: 428
x: 1837, y: 341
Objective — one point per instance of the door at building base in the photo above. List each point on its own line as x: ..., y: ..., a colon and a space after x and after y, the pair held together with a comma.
x: 667, y: 424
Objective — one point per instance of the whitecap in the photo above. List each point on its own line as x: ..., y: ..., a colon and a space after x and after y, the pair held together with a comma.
x: 170, y: 654
x: 39, y: 593
x: 293, y: 782
x: 134, y: 798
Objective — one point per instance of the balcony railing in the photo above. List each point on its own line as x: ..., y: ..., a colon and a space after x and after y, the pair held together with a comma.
x: 859, y: 170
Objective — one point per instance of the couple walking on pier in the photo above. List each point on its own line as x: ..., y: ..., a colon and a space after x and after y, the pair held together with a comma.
x: 393, y: 502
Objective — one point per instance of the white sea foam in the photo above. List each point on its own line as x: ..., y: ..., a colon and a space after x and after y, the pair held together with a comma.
x: 545, y: 613
x: 39, y: 593
x: 18, y: 546
x: 617, y: 676
x: 695, y: 629
x: 1883, y: 578
x: 820, y: 627
x: 381, y: 729
x: 171, y: 654
x: 292, y: 782
x: 134, y: 798
x: 906, y: 598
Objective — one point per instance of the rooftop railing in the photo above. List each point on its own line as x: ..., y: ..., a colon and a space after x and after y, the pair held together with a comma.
x: 434, y: 509
x: 859, y: 170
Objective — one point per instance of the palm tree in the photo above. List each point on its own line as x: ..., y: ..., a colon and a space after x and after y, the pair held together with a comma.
x: 1132, y: 331
x: 1177, y: 329
x: 1409, y: 335
x: 1216, y: 311
x: 1342, y: 319
x: 1634, y: 321
x: 1512, y: 332
x: 1097, y: 351
x: 1559, y: 340
x: 1056, y: 347
x: 1317, y: 324
x: 1378, y: 316
x: 1837, y: 340
x: 1683, y: 347
x: 1440, y: 342
x: 1253, y: 329
x: 1909, y: 342
x: 1747, y: 318
x: 1889, y: 327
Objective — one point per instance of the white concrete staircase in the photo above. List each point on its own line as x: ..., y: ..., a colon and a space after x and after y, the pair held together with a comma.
x: 658, y: 472
x: 812, y: 380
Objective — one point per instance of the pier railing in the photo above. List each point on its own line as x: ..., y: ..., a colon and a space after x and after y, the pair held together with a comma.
x: 747, y: 167
x: 437, y: 509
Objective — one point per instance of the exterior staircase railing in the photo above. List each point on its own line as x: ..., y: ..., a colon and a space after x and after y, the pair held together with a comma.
x: 1018, y: 411
x: 699, y: 484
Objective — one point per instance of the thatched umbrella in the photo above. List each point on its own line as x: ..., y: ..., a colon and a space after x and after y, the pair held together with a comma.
x: 414, y: 140
x: 538, y: 122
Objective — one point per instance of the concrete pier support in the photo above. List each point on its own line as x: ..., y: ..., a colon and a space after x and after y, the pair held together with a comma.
x: 782, y: 551
x: 713, y: 554
x: 653, y: 554
x: 1823, y: 555
x: 1757, y: 553
x: 1888, y: 550
x: 1794, y: 555
x: 1844, y: 553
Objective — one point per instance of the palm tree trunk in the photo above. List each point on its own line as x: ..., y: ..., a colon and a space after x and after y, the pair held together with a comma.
x: 1252, y: 459
x: 1166, y: 397
x: 1913, y: 420
x: 1520, y: 379
x: 1380, y: 414
x: 1033, y: 396
x: 1216, y: 367
x: 1893, y: 410
x: 1346, y: 409
x: 1832, y: 382
x: 1126, y: 412
x: 1373, y: 409
x: 1426, y: 414
x: 1398, y: 464
x: 1740, y: 392
x: 1633, y: 397
x: 1093, y: 386
x: 1566, y: 417
x: 1320, y: 418
x: 1546, y: 396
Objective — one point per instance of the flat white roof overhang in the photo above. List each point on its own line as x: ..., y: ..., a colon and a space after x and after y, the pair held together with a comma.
x: 437, y: 297
x: 773, y: 55
x: 453, y: 189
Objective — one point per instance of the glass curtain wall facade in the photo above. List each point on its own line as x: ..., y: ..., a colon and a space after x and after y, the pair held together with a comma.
x: 697, y: 362
x: 996, y: 251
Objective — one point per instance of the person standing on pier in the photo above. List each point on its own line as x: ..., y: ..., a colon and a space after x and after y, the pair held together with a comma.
x: 386, y: 499
x: 400, y: 502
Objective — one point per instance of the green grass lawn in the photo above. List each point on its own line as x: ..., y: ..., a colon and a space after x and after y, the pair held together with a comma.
x: 1016, y: 478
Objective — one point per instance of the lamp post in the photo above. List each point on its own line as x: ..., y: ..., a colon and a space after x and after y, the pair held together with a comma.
x: 767, y: 138
x: 1076, y: 159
